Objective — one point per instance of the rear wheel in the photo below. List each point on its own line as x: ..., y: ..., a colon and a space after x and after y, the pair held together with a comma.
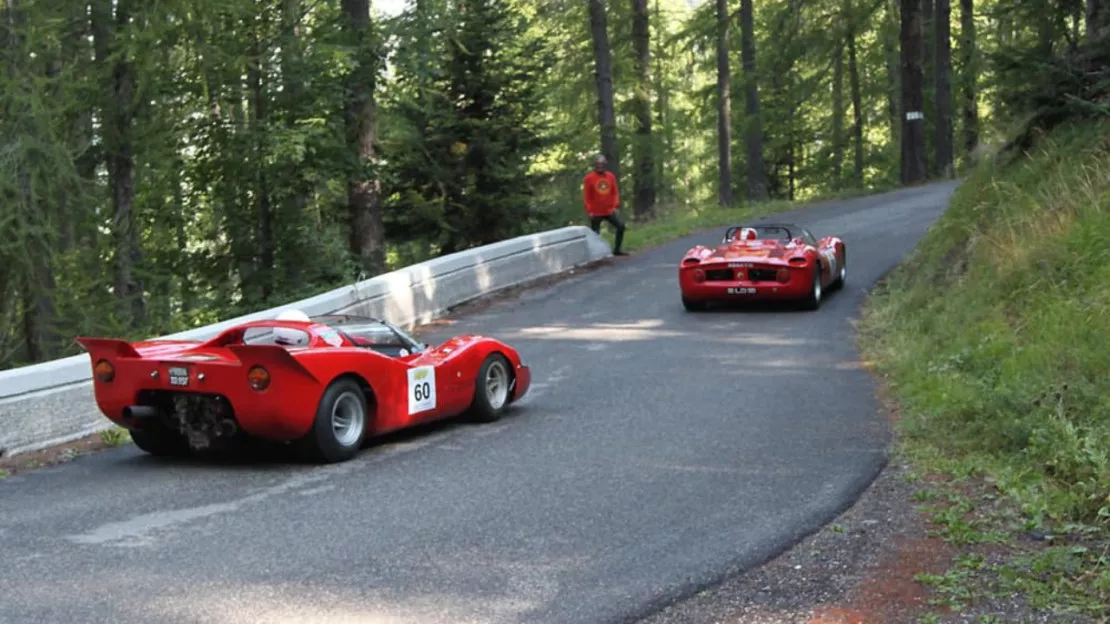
x: 842, y: 275
x: 160, y: 442
x: 692, y: 305
x: 813, y: 300
x: 491, y: 389
x: 340, y: 425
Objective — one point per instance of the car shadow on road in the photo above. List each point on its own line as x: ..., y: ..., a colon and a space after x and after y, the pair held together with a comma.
x: 260, y: 455
x: 769, y: 307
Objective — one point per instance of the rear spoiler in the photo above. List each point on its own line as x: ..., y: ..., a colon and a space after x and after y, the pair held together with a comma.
x: 269, y: 356
x: 108, y: 346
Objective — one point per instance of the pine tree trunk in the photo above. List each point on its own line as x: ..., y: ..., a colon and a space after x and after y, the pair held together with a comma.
x: 857, y: 112
x: 724, y: 108
x: 753, y: 139
x: 662, y: 133
x: 1096, y: 19
x: 292, y: 68
x: 913, y: 94
x: 969, y: 76
x: 364, y: 201
x: 838, y: 117
x: 603, y: 73
x: 117, y: 131
x: 943, y: 69
x: 893, y: 72
x: 928, y: 82
x: 644, y: 192
x: 264, y: 228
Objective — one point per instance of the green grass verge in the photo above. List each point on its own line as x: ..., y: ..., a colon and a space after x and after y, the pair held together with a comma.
x: 992, y: 336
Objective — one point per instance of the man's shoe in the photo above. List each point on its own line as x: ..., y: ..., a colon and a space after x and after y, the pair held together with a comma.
x: 620, y: 253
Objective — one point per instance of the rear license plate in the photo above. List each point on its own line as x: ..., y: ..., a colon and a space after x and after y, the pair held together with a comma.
x: 741, y: 291
x: 179, y: 376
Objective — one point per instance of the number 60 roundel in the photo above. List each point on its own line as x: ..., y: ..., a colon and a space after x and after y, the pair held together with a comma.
x: 422, y: 389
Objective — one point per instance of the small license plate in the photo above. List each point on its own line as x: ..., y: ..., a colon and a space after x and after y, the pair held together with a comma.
x: 179, y: 376
x: 741, y: 291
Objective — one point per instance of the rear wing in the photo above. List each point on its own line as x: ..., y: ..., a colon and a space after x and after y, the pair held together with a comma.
x: 271, y: 357
x: 108, y: 347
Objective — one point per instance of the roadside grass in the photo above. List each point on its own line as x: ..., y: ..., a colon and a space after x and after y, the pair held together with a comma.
x: 992, y: 335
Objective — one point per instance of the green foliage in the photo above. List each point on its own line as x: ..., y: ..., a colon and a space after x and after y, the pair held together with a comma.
x: 990, y: 335
x: 990, y: 328
x: 232, y: 115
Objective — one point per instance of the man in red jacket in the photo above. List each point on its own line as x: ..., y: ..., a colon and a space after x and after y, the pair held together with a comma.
x: 603, y: 199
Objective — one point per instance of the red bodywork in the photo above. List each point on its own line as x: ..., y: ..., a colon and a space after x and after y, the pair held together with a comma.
x: 761, y: 268
x: 286, y: 407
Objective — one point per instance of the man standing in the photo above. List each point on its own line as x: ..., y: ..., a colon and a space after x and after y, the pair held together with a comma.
x: 603, y: 199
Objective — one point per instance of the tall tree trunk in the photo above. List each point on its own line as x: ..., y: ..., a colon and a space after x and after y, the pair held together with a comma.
x: 117, y: 111
x: 929, y: 79
x: 603, y: 74
x: 857, y: 111
x: 838, y: 117
x: 753, y: 139
x: 661, y: 119
x: 264, y: 225
x: 893, y: 71
x: 644, y: 193
x: 1096, y: 19
x: 969, y: 76
x: 943, y: 70
x: 724, y: 108
x: 364, y: 197
x: 913, y: 94
x: 292, y: 72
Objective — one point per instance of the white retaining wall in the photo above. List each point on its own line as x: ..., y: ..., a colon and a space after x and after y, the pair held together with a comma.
x: 52, y: 402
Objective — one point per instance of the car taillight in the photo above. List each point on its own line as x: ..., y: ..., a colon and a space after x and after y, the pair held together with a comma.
x: 259, y: 378
x: 104, y: 371
x: 699, y: 276
x: 783, y: 275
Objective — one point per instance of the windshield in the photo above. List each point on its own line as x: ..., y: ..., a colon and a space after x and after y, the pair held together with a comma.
x: 377, y: 334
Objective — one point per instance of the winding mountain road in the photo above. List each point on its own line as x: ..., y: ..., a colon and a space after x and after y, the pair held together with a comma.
x: 658, y: 451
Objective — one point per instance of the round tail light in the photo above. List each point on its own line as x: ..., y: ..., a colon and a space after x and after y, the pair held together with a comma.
x: 783, y: 275
x: 699, y: 276
x: 259, y: 378
x: 104, y: 371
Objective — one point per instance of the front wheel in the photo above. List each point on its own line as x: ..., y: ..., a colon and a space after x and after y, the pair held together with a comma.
x: 491, y: 389
x: 340, y: 425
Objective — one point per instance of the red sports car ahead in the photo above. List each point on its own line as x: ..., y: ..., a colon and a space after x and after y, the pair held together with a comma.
x: 772, y: 261
x: 326, y: 384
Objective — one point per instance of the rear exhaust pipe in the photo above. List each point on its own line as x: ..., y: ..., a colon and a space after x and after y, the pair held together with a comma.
x: 139, y: 412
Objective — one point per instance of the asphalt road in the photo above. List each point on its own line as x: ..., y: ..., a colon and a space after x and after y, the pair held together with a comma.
x: 658, y: 451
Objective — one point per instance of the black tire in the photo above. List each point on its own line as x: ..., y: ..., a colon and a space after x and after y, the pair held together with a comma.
x: 338, y: 429
x: 489, y: 403
x: 843, y: 273
x: 816, y: 294
x: 160, y: 442
x: 693, y: 306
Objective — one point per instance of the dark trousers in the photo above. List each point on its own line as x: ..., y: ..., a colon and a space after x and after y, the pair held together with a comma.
x: 618, y: 226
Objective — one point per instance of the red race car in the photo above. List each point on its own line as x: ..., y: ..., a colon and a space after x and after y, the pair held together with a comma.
x: 772, y: 261
x: 325, y: 384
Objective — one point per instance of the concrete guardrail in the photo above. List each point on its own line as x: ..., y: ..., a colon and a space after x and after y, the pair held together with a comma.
x: 52, y: 402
